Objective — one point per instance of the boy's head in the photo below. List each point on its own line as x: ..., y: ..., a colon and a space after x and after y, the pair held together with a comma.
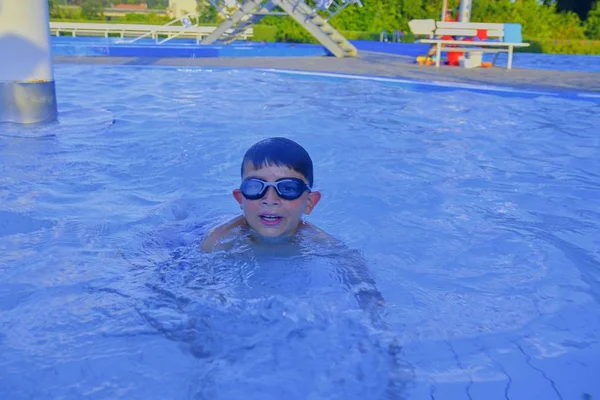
x: 281, y: 152
x: 276, y: 189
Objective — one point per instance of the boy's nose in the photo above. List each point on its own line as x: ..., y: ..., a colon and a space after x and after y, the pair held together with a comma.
x: 271, y: 197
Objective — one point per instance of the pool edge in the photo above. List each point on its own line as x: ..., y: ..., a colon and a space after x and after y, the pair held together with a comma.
x: 378, y: 66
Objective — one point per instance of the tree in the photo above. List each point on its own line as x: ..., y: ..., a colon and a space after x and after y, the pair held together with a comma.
x: 592, y: 23
x: 92, y: 9
x: 207, y: 14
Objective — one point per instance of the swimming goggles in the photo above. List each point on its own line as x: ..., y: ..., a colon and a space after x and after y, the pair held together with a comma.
x: 286, y: 188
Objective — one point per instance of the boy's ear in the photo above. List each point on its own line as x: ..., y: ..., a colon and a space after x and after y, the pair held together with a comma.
x: 237, y: 195
x: 313, y: 199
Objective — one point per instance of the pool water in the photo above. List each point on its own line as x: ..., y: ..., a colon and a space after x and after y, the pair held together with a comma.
x: 474, y: 210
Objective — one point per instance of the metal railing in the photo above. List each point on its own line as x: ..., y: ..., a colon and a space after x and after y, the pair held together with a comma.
x: 222, y: 10
x: 383, y: 36
x: 185, y: 17
x: 135, y: 30
x: 396, y: 36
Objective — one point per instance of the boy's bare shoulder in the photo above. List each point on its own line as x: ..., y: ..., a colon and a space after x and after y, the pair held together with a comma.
x: 219, y: 232
x: 214, y: 239
x: 317, y: 234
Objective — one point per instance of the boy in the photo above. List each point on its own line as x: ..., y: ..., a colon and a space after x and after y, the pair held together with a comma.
x: 276, y: 191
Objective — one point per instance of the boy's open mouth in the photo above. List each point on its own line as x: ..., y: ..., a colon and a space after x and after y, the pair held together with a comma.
x: 270, y: 219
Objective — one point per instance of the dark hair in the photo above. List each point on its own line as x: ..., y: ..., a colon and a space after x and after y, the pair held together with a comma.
x: 281, y: 152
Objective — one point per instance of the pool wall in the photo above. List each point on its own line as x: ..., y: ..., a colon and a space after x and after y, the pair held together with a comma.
x: 403, y: 49
x: 117, y: 47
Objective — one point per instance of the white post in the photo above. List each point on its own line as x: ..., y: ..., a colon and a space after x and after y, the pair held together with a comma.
x: 464, y: 12
x: 444, y: 10
x: 27, y: 91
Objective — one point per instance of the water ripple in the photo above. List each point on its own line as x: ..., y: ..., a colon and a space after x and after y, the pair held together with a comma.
x: 475, y: 213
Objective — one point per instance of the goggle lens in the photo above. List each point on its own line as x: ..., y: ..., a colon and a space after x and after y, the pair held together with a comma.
x: 286, y: 188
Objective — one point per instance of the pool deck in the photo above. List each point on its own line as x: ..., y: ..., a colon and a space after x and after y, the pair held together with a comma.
x: 375, y: 64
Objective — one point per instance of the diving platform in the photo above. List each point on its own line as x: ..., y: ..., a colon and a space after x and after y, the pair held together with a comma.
x: 314, y: 19
x: 248, y: 14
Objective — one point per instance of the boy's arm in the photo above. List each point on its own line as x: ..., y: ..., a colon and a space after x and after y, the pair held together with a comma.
x: 356, y: 274
x: 368, y: 295
x: 363, y: 285
x: 216, y: 234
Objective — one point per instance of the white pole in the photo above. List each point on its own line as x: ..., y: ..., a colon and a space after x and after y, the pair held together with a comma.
x: 27, y: 91
x: 444, y: 10
x: 464, y: 13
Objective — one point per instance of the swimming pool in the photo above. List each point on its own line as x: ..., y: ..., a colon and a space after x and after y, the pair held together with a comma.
x: 186, y: 48
x: 475, y: 210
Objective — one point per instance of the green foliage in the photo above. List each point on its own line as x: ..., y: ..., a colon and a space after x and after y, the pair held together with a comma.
x: 390, y: 15
x: 148, y: 19
x: 207, y: 13
x: 557, y: 46
x: 65, y: 13
x: 360, y: 35
x: 288, y: 30
x: 538, y: 20
x: 592, y: 23
x: 264, y: 33
x: 92, y: 9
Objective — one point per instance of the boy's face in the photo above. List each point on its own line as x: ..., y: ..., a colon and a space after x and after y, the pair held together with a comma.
x: 271, y: 216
